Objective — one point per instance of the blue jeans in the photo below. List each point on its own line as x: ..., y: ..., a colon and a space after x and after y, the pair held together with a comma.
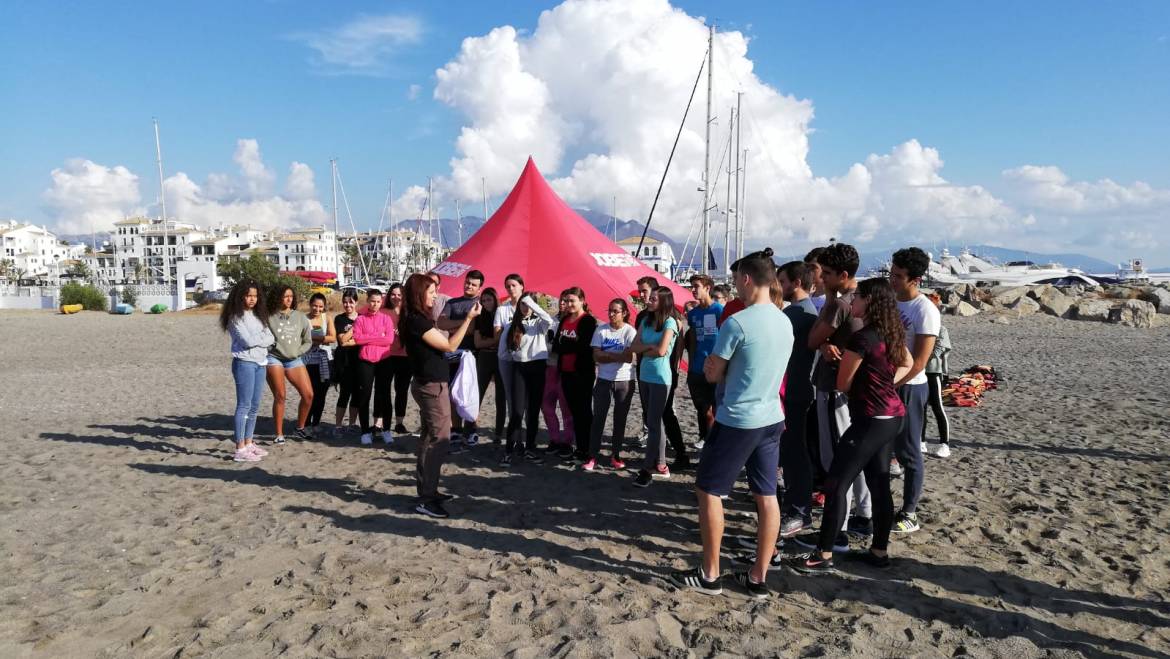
x: 250, y: 379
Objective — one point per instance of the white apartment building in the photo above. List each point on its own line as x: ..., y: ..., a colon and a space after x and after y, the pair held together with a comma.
x: 311, y: 249
x: 147, y: 251
x: 200, y: 270
x: 35, y: 251
x: 655, y: 254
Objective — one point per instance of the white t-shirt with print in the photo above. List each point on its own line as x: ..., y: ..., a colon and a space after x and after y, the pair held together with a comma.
x: 609, y: 339
x: 919, y: 316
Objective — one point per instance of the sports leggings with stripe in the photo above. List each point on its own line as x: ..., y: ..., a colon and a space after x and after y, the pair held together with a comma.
x: 935, y: 401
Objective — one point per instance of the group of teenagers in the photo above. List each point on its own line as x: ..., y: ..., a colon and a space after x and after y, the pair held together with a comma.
x: 805, y: 369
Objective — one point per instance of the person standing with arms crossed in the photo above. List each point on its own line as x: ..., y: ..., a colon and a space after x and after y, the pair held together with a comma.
x: 751, y: 352
x: 795, y: 280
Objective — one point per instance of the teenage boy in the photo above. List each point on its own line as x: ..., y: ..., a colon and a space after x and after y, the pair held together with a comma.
x: 829, y: 336
x: 795, y: 279
x: 817, y: 292
x: 703, y: 319
x: 922, y: 322
x: 450, y: 319
x: 751, y: 351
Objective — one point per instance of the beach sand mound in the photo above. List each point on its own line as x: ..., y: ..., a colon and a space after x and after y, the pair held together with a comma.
x: 129, y: 532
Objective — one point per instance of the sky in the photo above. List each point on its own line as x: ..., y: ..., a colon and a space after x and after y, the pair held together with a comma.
x: 1040, y: 126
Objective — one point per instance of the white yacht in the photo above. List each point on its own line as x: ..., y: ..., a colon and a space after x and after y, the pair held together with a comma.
x: 969, y: 268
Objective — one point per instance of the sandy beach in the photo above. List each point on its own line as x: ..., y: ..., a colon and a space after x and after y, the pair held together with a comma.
x: 127, y: 530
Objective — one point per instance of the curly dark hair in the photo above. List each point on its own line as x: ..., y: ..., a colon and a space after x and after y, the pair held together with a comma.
x: 234, y: 306
x: 913, y: 260
x: 841, y: 258
x: 276, y: 297
x: 881, y: 312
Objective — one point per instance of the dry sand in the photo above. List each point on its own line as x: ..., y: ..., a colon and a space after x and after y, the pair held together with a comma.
x: 128, y: 532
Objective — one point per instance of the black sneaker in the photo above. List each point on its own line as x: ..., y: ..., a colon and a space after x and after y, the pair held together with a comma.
x: 790, y: 525
x: 860, y: 527
x: 302, y: 433
x: 444, y: 498
x: 905, y: 523
x: 506, y: 459
x: 810, y: 564
x: 431, y: 509
x: 643, y: 480
x: 400, y: 429
x: 533, y: 457
x: 754, y: 590
x: 694, y: 579
x: 750, y: 559
x: 565, y: 452
x: 812, y: 540
x: 457, y: 447
x: 681, y: 464
x: 869, y: 558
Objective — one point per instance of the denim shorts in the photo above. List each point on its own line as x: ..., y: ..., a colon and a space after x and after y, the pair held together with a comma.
x: 292, y: 363
x: 727, y: 450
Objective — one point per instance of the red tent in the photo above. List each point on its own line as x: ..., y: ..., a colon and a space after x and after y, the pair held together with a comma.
x: 535, y: 234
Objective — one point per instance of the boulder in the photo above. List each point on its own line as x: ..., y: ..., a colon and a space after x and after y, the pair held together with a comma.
x: 1025, y: 305
x: 963, y: 290
x: 1005, y: 295
x: 1001, y: 320
x: 1054, y: 303
x: 1121, y: 292
x: 1090, y: 308
x: 949, y: 297
x: 1134, y: 313
x: 964, y: 310
x: 1036, y: 292
x: 1160, y: 298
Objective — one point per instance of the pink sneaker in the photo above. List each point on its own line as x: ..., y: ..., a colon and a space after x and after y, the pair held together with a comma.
x: 256, y: 449
x: 662, y: 472
x: 589, y: 465
x: 615, y: 463
x: 244, y: 455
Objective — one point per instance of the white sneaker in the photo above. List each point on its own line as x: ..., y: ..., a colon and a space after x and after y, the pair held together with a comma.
x: 367, y: 439
x: 387, y: 437
x: 699, y: 444
x: 944, y: 451
x: 924, y: 448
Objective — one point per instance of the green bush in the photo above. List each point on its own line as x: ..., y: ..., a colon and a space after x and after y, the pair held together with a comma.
x: 129, y: 295
x: 266, y: 273
x: 91, y: 298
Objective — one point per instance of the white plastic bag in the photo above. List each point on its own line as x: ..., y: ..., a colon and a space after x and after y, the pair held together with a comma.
x: 465, y: 387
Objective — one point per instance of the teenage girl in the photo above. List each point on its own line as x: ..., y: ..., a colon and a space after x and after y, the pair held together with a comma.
x: 560, y: 431
x: 319, y: 357
x: 655, y: 343
x: 345, y: 361
x: 874, y: 359
x: 487, y: 365
x: 615, y: 370
x: 576, y: 366
x: 294, y: 337
x: 527, y: 344
x: 374, y: 332
x: 399, y: 380
x: 243, y: 318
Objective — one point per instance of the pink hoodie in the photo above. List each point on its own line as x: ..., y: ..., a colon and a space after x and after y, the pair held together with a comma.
x: 374, y: 332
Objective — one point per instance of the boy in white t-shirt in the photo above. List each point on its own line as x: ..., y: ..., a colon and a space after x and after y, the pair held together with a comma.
x: 922, y: 321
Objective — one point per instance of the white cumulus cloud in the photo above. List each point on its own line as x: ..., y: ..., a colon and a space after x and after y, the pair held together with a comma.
x: 595, y: 94
x: 85, y: 196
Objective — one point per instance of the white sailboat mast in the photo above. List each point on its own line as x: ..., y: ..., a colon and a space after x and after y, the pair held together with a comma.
x: 738, y: 215
x: 707, y: 153
x: 336, y: 251
x: 162, y: 201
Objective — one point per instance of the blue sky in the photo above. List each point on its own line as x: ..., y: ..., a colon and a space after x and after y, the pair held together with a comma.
x: 992, y: 86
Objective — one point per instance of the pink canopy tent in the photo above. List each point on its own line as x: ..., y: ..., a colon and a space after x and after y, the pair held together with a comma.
x: 535, y: 234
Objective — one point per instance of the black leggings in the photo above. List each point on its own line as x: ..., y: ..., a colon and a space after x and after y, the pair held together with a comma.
x: 371, y: 376
x: 670, y: 422
x: 487, y: 370
x: 345, y: 375
x: 527, y: 394
x: 320, y: 389
x: 400, y: 375
x: 865, y: 446
x: 935, y: 401
x: 578, y: 388
x: 794, y: 458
